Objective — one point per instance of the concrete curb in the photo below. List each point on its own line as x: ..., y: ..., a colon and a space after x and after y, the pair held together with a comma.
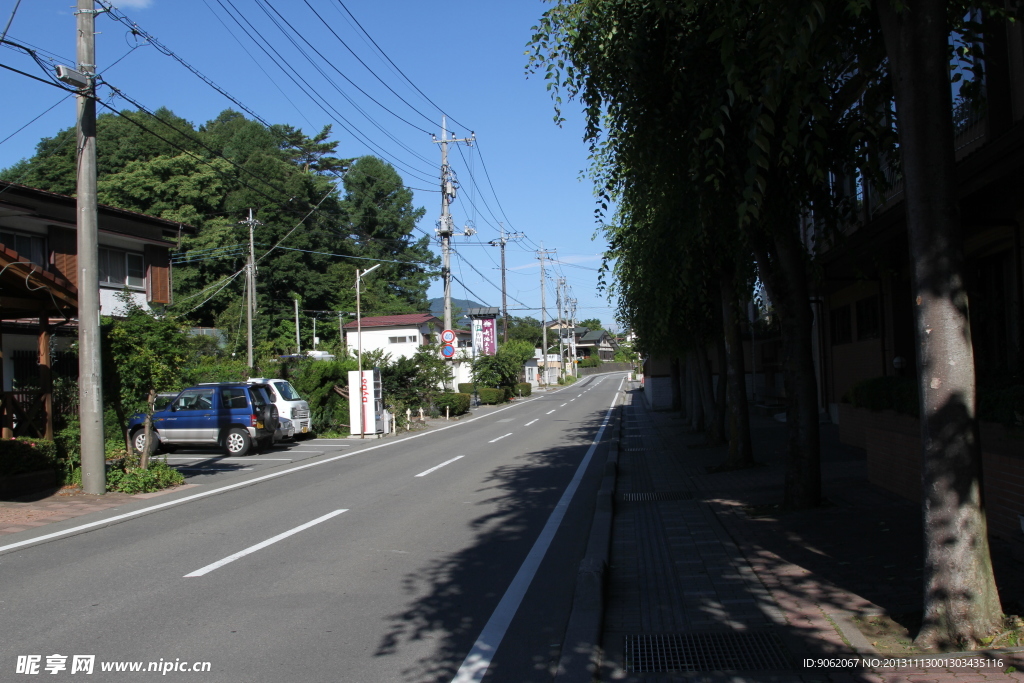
x: 581, y: 644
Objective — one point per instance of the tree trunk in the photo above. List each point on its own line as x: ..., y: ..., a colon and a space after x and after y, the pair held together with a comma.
x: 693, y: 392
x: 961, y: 603
x: 677, y: 403
x: 785, y: 277
x: 148, y: 430
x: 707, y: 398
x: 741, y: 453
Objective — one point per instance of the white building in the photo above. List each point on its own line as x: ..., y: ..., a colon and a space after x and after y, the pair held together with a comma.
x: 401, y: 336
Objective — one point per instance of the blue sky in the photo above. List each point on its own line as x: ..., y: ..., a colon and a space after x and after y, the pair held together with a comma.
x: 469, y: 61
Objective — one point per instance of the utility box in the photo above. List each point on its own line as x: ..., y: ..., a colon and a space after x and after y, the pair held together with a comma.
x: 366, y: 403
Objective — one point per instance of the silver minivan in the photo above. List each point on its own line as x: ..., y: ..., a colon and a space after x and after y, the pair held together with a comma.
x: 289, y: 403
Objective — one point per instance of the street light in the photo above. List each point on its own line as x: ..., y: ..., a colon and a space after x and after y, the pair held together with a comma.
x: 359, y: 346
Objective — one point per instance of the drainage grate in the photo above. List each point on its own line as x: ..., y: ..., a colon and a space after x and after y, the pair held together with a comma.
x: 657, y: 495
x: 725, y: 651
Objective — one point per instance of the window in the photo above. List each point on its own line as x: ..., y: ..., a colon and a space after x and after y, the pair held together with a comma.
x: 30, y: 247
x: 122, y: 269
x: 868, y: 322
x: 195, y: 399
x: 234, y: 397
x: 402, y: 340
x: 842, y: 329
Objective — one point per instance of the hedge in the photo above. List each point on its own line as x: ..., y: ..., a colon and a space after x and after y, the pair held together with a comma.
x: 524, y: 389
x: 467, y: 388
x: 457, y: 404
x: 491, y: 396
x: 24, y: 454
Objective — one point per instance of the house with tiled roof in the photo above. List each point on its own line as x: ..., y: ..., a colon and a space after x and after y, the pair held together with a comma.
x: 398, y: 335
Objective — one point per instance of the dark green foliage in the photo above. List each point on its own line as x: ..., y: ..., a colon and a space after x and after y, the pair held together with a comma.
x: 491, y: 396
x: 211, y: 176
x: 457, y: 404
x: 24, y: 454
x: 524, y: 389
x: 525, y: 329
x: 885, y: 393
x: 467, y: 387
x: 132, y: 479
x: 317, y: 382
x: 590, y: 362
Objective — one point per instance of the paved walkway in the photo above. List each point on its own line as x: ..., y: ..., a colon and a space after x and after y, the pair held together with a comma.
x: 706, y: 573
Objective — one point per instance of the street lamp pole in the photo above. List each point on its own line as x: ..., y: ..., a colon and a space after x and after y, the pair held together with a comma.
x: 359, y: 352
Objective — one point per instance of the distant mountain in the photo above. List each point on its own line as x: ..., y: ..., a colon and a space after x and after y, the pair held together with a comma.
x: 437, y: 305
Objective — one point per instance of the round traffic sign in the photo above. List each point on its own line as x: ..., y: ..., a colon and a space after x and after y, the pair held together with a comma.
x: 448, y: 336
x: 447, y: 350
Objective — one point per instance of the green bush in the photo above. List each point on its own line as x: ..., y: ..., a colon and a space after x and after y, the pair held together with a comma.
x: 590, y: 362
x: 467, y: 388
x: 524, y: 389
x: 159, y: 476
x: 457, y: 404
x: 491, y: 396
x: 508, y: 392
x: 885, y: 393
x: 24, y: 454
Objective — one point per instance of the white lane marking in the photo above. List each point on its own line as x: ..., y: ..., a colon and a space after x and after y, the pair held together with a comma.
x: 251, y: 549
x: 500, y: 437
x: 213, y: 469
x: 292, y: 450
x: 563, y: 405
x: 580, y: 395
x: 248, y: 482
x: 549, y: 412
x: 530, y: 422
x: 479, y: 658
x: 437, y: 467
x: 231, y: 459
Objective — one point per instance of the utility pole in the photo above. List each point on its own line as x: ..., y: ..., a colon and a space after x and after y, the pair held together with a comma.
x: 561, y: 327
x: 90, y: 374
x: 250, y: 282
x: 572, y: 336
x: 446, y: 228
x: 542, y: 255
x: 501, y: 242
x: 298, y: 344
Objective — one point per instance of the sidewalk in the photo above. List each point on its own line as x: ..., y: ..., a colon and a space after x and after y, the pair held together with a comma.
x: 707, y: 575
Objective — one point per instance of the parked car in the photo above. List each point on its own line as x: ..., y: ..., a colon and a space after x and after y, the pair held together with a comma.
x: 285, y: 430
x: 232, y: 416
x: 289, y: 403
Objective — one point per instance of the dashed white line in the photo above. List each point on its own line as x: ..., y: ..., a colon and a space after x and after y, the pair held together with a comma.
x: 437, y: 467
x: 563, y: 405
x: 500, y: 437
x: 530, y: 422
x: 231, y: 558
x: 549, y: 412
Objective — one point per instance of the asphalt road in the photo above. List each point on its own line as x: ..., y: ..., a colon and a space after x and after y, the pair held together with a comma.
x: 346, y: 562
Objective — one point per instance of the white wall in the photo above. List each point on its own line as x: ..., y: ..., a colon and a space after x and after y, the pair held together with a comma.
x: 658, y: 392
x: 375, y: 338
x: 111, y: 305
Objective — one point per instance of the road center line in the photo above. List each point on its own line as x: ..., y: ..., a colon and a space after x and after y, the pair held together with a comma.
x: 530, y: 422
x: 270, y: 541
x: 563, y: 405
x: 500, y: 438
x: 549, y: 412
x: 437, y: 467
x: 479, y: 658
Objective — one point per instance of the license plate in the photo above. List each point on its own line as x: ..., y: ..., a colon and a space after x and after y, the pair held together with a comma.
x: 305, y: 429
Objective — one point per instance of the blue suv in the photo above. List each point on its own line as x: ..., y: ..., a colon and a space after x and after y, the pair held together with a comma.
x: 231, y: 416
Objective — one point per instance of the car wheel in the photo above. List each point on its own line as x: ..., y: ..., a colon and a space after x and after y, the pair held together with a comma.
x: 237, y: 442
x: 139, y: 441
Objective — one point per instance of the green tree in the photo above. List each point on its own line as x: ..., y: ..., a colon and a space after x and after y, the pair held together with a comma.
x: 144, y: 354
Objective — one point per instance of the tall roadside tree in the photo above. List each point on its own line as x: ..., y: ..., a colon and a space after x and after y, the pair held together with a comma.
x: 962, y: 604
